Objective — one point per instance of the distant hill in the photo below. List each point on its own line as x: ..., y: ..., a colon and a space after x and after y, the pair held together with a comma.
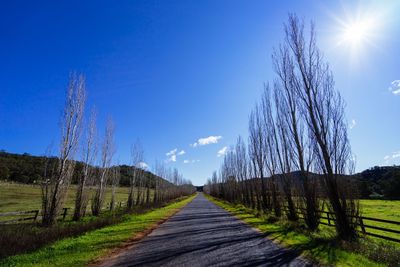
x: 376, y: 182
x: 25, y: 168
x: 379, y: 182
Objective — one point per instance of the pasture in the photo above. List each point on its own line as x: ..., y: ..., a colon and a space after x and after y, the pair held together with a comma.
x: 22, y: 197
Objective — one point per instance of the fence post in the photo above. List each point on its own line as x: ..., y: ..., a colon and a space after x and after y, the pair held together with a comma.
x: 65, y: 213
x: 329, y: 220
x: 362, y: 225
x: 36, y: 215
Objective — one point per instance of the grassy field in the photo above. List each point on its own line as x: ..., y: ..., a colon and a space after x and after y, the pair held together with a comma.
x: 383, y: 209
x: 380, y: 209
x: 322, y: 246
x: 78, y: 251
x: 21, y: 197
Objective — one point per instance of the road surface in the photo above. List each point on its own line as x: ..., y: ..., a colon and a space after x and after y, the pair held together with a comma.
x: 203, y: 234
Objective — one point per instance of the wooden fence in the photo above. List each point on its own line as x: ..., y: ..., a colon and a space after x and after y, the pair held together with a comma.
x: 364, y: 224
x: 34, y: 215
x: 30, y: 215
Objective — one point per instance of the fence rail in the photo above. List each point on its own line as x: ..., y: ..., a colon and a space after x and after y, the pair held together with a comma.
x: 34, y: 215
x: 330, y: 218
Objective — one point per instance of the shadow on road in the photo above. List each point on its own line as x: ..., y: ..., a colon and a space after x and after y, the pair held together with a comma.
x: 203, y: 234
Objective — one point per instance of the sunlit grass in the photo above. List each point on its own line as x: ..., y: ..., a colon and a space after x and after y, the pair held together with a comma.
x: 321, y: 246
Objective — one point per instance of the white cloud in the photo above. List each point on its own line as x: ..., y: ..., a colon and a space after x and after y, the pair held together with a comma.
x: 172, y: 155
x: 209, y: 140
x: 186, y: 161
x: 395, y: 87
x: 172, y: 152
x: 143, y: 165
x: 392, y: 156
x: 172, y: 158
x: 206, y: 141
x: 222, y: 151
x: 353, y: 123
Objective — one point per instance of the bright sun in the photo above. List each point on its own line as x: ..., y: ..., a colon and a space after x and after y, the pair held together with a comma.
x: 359, y: 31
x: 356, y: 34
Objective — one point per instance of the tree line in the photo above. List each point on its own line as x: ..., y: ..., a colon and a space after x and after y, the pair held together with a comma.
x: 374, y: 183
x: 95, y: 171
x: 297, y: 129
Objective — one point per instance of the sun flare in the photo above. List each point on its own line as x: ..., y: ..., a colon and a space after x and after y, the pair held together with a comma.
x: 357, y: 33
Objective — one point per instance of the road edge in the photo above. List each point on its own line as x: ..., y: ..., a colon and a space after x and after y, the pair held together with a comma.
x: 115, y: 252
x: 303, y: 257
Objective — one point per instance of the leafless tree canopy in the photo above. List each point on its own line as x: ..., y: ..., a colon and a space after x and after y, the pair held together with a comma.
x: 89, y: 153
x: 54, y: 189
x: 107, y: 153
x: 298, y: 129
x: 146, y: 189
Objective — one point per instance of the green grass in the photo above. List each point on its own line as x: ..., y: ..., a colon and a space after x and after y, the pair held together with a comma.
x: 382, y: 209
x: 379, y: 209
x: 78, y: 251
x: 321, y: 247
x: 22, y: 197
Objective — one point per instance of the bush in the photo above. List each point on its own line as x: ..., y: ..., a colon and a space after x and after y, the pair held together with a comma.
x: 377, y: 251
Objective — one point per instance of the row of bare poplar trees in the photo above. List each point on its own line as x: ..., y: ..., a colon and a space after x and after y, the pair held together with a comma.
x: 298, y: 152
x: 97, y: 172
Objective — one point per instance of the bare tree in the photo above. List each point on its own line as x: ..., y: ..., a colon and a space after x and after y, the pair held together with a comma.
x: 272, y: 149
x: 115, y: 177
x: 159, y: 169
x: 214, y: 184
x: 137, y: 157
x: 302, y: 130
x: 107, y: 153
x: 54, y: 190
x: 323, y: 111
x: 257, y: 154
x: 285, y: 152
x: 298, y: 134
x: 86, y: 177
x: 241, y: 171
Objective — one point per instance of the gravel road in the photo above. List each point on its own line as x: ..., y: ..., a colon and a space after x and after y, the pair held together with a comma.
x: 203, y: 234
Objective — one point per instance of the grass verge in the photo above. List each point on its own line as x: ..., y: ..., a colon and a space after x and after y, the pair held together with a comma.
x: 25, y: 238
x: 320, y: 247
x: 80, y: 250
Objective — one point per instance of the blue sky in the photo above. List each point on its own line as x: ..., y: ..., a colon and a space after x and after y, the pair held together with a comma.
x: 173, y: 72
